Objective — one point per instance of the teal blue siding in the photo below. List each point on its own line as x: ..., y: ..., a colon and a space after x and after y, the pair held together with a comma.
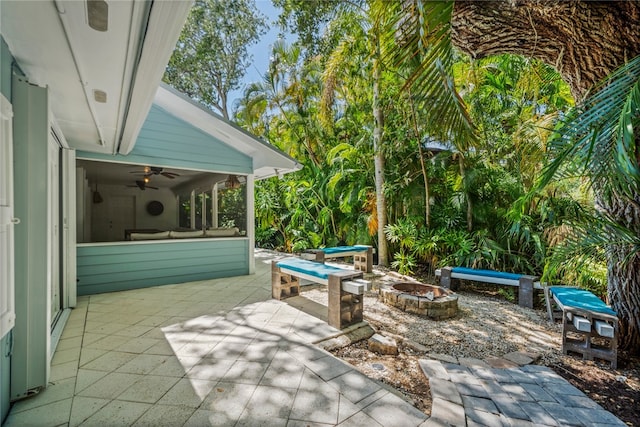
x: 119, y: 267
x: 168, y: 141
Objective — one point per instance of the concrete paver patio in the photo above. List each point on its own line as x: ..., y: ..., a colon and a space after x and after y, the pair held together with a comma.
x: 216, y: 352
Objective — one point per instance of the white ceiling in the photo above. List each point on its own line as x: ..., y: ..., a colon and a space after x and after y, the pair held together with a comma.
x: 106, y: 173
x: 54, y: 46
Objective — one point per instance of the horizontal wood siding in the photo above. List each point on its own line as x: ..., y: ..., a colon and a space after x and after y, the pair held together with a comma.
x: 109, y: 267
x: 168, y: 141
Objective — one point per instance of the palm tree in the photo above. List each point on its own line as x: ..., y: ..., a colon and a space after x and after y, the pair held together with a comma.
x: 365, y: 20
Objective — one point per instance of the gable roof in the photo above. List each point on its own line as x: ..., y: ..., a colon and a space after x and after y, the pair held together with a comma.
x: 268, y: 161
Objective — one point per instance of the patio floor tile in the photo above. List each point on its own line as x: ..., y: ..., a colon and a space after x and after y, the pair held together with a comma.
x: 52, y: 414
x: 117, y: 413
x: 142, y: 364
x: 110, y: 386
x: 188, y: 392
x: 84, y: 407
x: 54, y: 393
x: 228, y: 400
x: 86, y: 377
x: 167, y: 415
x: 149, y: 389
x: 109, y: 361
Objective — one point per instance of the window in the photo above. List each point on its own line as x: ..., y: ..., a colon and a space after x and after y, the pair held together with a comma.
x: 219, y: 207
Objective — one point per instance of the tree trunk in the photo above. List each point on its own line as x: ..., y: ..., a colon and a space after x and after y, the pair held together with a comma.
x: 623, y: 287
x: 463, y: 177
x: 381, y: 202
x: 423, y: 166
x: 585, y: 41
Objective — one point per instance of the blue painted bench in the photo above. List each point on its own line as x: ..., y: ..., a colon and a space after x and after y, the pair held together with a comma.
x: 362, y: 255
x: 346, y: 287
x: 584, y: 317
x: 525, y: 283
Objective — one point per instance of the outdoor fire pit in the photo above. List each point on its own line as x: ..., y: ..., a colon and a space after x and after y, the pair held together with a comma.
x: 425, y: 300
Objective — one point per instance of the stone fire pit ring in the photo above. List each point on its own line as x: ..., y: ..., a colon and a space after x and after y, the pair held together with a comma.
x: 425, y: 300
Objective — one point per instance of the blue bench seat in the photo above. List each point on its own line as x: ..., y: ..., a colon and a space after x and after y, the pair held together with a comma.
x: 580, y: 298
x: 318, y: 272
x: 524, y: 282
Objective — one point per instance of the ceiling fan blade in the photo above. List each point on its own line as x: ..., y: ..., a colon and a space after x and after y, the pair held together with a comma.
x: 169, y: 175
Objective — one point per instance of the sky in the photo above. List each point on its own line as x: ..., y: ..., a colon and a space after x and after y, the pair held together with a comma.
x: 260, y: 51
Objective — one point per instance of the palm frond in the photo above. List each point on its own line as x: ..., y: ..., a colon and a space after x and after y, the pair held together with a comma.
x: 601, y: 135
x: 418, y: 39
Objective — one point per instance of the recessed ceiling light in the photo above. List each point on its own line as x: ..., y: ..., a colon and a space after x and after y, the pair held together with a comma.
x: 100, y: 96
x: 98, y: 14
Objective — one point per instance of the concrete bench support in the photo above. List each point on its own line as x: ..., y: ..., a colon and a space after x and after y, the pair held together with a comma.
x: 525, y: 283
x: 346, y: 291
x: 362, y: 257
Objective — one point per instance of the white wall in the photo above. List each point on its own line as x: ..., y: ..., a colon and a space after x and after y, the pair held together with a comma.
x: 102, y: 213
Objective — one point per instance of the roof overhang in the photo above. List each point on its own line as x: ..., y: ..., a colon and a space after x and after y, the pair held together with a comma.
x: 268, y: 161
x: 101, y: 60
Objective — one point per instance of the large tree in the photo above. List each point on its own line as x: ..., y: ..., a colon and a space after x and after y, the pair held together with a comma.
x: 585, y: 41
x: 211, y: 56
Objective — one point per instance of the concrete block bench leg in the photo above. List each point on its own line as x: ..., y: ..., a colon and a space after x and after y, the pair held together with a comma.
x: 344, y: 309
x: 283, y: 285
x: 364, y: 261
x: 525, y: 291
x: 319, y: 256
x: 446, y: 281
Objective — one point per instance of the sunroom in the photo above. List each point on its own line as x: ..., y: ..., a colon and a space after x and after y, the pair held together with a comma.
x: 178, y: 207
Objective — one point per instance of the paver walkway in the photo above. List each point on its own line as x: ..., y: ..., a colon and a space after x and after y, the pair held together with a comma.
x: 530, y: 395
x: 221, y: 352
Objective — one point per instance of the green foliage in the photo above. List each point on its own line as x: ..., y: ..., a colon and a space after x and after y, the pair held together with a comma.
x: 318, y: 108
x: 211, y: 56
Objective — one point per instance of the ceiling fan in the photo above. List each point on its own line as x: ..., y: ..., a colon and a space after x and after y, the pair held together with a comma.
x: 154, y: 170
x: 142, y: 184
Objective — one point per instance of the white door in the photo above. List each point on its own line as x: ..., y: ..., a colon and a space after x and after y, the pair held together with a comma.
x: 54, y: 228
x: 122, y: 216
x: 7, y: 302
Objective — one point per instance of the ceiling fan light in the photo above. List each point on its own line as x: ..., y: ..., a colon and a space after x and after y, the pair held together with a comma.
x: 232, y: 182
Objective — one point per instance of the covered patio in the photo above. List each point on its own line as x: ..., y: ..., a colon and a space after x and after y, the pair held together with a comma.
x: 215, y: 352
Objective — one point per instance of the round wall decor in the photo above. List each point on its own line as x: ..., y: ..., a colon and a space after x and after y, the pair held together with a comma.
x: 155, y: 208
